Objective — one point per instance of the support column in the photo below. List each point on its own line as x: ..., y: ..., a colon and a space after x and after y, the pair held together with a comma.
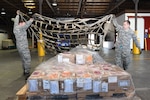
x: 40, y: 6
x: 135, y: 49
x: 40, y: 43
x: 32, y: 40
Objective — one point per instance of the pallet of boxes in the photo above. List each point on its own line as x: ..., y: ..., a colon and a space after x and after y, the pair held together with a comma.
x: 79, y: 74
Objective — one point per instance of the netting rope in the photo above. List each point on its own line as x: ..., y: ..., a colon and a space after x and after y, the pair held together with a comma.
x: 60, y: 35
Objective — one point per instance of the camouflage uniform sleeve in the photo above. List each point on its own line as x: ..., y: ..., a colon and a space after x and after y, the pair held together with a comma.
x: 28, y: 23
x: 134, y: 37
x: 16, y: 21
x: 118, y: 27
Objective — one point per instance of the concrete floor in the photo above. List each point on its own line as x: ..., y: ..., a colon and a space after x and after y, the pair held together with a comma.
x: 12, y: 79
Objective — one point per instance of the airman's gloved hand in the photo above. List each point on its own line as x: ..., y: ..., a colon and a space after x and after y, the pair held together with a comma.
x: 31, y: 19
x: 18, y: 12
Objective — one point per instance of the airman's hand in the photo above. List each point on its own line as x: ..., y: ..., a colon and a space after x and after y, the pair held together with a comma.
x: 31, y: 19
x: 18, y: 12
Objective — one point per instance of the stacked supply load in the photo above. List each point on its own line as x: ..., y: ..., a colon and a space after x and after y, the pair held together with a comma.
x: 78, y: 73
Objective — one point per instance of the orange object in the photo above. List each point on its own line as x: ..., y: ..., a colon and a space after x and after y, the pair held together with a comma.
x: 89, y: 59
x: 54, y: 76
x: 145, y: 44
x: 86, y: 75
x: 66, y: 74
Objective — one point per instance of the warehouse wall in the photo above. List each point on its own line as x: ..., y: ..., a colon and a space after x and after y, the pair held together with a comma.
x: 142, y: 27
x: 142, y: 18
x: 147, y: 26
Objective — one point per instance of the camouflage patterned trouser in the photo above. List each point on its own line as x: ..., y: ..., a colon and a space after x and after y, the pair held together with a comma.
x: 122, y: 59
x: 25, y: 56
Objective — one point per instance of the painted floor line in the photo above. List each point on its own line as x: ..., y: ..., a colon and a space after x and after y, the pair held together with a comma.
x: 141, y: 58
x: 141, y: 89
x: 109, y: 59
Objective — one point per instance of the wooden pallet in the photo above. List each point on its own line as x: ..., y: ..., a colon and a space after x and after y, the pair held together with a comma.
x: 84, y: 95
x: 105, y: 95
x: 68, y: 96
x: 21, y: 94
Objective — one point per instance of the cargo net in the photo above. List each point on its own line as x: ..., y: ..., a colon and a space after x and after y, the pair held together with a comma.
x: 60, y: 35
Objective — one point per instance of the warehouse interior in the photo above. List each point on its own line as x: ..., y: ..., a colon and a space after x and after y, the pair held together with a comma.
x: 11, y: 77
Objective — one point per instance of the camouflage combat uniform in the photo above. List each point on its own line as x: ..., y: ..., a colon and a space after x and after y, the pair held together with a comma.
x: 22, y: 43
x: 122, y: 45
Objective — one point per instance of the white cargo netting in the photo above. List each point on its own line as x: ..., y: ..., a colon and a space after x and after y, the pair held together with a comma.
x: 59, y: 35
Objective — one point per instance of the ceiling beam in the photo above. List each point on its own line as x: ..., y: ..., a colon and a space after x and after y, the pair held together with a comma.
x: 40, y: 6
x: 49, y: 4
x: 79, y: 7
x: 11, y: 4
x: 83, y: 8
x: 113, y: 8
x: 87, y: 2
x: 87, y: 7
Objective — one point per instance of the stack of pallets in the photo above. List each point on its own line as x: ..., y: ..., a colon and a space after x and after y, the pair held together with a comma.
x: 79, y: 75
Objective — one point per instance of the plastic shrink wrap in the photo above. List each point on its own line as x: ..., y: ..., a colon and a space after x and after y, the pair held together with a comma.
x: 79, y: 71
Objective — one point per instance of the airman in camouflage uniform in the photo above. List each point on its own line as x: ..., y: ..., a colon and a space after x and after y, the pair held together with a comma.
x: 22, y: 42
x: 122, y: 45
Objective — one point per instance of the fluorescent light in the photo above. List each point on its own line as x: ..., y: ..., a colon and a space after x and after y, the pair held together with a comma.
x: 3, y: 11
x: 30, y: 12
x: 30, y: 4
x: 28, y: 0
x: 54, y: 4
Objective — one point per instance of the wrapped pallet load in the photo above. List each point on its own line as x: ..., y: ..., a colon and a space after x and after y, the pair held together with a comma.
x: 79, y: 72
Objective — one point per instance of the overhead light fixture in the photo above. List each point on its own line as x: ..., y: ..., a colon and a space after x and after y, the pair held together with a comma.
x: 30, y: 12
x: 30, y: 4
x: 54, y: 3
x: 28, y: 0
x: 3, y: 11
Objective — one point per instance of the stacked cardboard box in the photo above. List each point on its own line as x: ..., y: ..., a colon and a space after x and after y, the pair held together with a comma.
x: 79, y: 72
